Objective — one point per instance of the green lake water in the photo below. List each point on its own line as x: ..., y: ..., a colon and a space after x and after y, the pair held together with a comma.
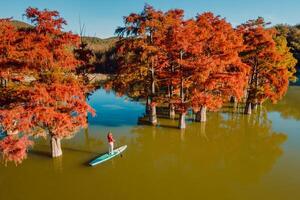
x: 232, y: 156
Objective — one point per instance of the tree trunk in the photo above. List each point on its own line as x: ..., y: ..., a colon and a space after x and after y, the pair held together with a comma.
x: 250, y: 92
x: 254, y: 105
x: 248, y: 109
x: 86, y: 136
x: 198, y: 116
x: 234, y: 101
x: 171, y: 106
x: 172, y: 111
x: 246, y: 94
x: 153, y: 117
x: 147, y: 109
x: 201, y: 115
x: 55, y: 147
x: 182, y: 124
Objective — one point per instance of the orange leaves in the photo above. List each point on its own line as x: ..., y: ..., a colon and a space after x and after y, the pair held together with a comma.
x: 201, y: 61
x: 29, y: 49
x: 271, y: 63
x: 139, y: 52
x: 44, y: 95
x: 211, y: 61
x: 14, y: 148
x: 57, y: 109
x: 197, y: 58
x: 45, y: 21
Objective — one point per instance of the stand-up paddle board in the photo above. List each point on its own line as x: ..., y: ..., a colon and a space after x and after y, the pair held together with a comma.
x: 107, y: 156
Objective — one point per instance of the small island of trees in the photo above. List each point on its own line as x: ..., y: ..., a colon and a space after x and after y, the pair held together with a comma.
x: 200, y: 63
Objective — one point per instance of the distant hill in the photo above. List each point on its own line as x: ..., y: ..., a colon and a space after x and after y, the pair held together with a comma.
x: 20, y: 24
x: 95, y: 43
x: 100, y: 45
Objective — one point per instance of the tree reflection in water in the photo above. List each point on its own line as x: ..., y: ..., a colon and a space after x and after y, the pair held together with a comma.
x: 229, y: 147
x: 288, y: 107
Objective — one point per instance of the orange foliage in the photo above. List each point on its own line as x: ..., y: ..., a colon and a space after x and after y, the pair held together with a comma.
x: 196, y: 59
x: 14, y: 149
x: 204, y: 54
x: 43, y: 95
x: 139, y: 54
x: 269, y: 77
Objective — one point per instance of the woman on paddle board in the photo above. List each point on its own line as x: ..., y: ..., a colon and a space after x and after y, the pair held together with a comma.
x: 111, y: 141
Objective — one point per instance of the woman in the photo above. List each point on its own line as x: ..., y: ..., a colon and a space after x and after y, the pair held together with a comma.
x: 111, y: 141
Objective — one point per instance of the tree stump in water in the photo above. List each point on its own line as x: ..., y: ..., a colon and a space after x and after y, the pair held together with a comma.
x: 182, y: 124
x: 153, y: 116
x: 55, y: 147
x: 172, y: 112
x: 248, y: 109
x: 201, y: 115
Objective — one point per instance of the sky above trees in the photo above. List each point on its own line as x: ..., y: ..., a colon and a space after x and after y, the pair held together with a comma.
x: 102, y: 17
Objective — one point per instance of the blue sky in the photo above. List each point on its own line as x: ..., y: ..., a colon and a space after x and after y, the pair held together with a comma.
x: 101, y: 17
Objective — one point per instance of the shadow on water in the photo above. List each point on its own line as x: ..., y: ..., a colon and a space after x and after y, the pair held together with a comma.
x: 57, y: 162
x: 40, y: 153
x: 167, y: 126
x: 87, y: 163
x: 47, y: 154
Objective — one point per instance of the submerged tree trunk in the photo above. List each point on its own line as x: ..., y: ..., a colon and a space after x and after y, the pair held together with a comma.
x: 147, y: 108
x: 250, y: 92
x: 182, y: 124
x: 55, y: 147
x: 172, y: 111
x: 234, y: 102
x: 182, y: 114
x: 254, y: 105
x: 153, y: 117
x: 248, y: 108
x: 171, y: 105
x: 201, y: 115
x: 198, y: 116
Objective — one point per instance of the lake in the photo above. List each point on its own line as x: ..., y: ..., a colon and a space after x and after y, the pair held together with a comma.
x: 232, y: 156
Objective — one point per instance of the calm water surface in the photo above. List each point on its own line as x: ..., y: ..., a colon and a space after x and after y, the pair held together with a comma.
x: 230, y: 157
